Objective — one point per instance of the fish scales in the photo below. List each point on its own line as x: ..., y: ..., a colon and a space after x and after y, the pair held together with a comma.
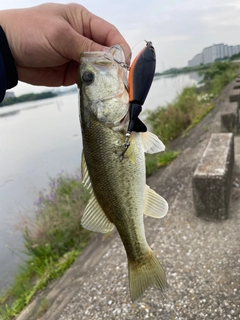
x: 122, y: 205
x: 119, y: 192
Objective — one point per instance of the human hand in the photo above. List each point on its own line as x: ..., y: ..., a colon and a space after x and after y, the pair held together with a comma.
x: 46, y: 41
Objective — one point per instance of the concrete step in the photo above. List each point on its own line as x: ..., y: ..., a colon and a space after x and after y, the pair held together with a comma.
x: 213, y: 177
x: 230, y: 118
x: 234, y: 95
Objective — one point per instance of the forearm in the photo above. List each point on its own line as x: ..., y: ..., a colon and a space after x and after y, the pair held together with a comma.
x: 8, y: 72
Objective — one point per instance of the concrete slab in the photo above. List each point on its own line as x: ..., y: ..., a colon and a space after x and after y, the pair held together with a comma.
x: 213, y: 176
x: 234, y: 95
x: 230, y: 118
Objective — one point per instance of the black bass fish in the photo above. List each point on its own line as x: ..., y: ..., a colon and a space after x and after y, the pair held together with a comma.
x: 120, y: 195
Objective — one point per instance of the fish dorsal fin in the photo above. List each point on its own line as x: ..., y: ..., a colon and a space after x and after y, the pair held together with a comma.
x: 86, y: 181
x: 94, y: 219
x: 155, y: 206
x: 151, y: 143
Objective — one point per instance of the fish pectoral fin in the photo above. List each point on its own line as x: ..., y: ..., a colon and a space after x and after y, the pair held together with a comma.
x: 86, y: 181
x: 151, y: 143
x: 155, y: 206
x: 94, y: 219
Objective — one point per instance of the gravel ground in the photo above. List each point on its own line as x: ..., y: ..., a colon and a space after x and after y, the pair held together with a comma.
x: 201, y: 258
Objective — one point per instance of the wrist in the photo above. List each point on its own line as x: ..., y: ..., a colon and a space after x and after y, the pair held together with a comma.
x: 8, y: 60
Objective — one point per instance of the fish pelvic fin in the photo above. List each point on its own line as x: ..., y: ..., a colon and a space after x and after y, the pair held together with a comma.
x: 145, y: 273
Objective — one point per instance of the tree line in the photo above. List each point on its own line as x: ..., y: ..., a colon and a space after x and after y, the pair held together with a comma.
x: 27, y: 97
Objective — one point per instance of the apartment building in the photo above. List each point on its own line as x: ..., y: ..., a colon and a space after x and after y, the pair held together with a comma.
x: 212, y: 53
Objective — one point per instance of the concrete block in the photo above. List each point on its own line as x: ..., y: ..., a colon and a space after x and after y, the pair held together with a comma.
x: 230, y: 118
x: 236, y: 85
x: 212, y: 178
x: 238, y: 80
x: 234, y: 95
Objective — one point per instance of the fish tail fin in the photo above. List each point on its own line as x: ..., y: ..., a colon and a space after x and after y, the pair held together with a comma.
x: 144, y: 273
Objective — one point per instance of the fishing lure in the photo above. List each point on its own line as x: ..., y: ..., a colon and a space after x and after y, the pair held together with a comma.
x: 140, y: 79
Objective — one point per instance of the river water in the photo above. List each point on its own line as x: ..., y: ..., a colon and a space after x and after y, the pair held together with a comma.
x: 39, y: 140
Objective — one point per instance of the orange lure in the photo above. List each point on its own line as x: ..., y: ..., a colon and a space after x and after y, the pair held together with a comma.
x: 140, y: 79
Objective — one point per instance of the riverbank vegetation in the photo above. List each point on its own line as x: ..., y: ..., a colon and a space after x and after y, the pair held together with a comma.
x: 189, y: 107
x: 176, y: 71
x: 52, y: 241
x: 55, y: 237
x: 27, y: 97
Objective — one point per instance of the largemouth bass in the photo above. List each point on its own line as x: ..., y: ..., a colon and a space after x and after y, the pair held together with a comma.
x: 120, y: 195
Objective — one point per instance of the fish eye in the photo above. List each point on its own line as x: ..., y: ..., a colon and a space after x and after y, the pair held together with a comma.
x: 88, y: 77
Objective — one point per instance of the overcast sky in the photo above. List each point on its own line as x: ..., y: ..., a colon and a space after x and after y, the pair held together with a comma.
x: 179, y: 29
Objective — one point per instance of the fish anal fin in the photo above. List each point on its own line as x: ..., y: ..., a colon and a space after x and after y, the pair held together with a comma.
x: 145, y: 273
x: 94, y: 218
x: 151, y: 143
x: 155, y: 206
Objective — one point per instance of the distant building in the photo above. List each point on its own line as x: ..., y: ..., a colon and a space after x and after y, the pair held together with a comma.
x: 197, y: 60
x: 207, y: 55
x: 9, y: 94
x: 213, y: 53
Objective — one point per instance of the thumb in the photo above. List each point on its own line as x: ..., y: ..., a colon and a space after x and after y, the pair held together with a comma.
x: 77, y: 43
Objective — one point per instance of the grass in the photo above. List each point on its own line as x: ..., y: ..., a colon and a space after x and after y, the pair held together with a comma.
x: 170, y: 122
x: 188, y: 109
x: 157, y: 160
x: 219, y: 75
x: 52, y: 241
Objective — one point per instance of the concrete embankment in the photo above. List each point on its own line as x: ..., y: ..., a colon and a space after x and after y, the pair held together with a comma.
x: 201, y: 258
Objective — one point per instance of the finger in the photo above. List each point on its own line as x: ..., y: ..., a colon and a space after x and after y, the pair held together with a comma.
x: 52, y: 77
x: 101, y: 32
x: 75, y: 44
x: 106, y: 34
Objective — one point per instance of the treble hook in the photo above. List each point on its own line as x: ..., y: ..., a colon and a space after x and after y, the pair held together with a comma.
x: 126, y: 144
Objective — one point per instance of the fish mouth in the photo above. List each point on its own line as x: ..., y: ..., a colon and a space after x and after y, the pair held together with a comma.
x: 112, y: 54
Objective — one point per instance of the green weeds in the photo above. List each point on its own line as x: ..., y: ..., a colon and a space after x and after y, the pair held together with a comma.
x: 155, y: 161
x: 189, y: 108
x: 52, y: 240
x: 219, y: 75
